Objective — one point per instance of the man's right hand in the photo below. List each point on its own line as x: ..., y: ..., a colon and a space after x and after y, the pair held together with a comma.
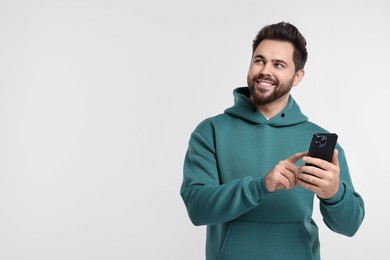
x: 283, y: 175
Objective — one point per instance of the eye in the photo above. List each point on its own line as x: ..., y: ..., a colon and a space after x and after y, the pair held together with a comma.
x: 279, y: 65
x: 258, y: 61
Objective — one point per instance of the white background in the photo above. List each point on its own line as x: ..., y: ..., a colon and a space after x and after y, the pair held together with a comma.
x: 98, y: 100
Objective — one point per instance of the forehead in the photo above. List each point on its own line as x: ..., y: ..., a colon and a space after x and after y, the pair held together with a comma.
x: 274, y: 49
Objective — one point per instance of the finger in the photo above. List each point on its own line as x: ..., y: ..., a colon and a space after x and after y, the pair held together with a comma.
x: 335, y: 158
x: 316, y: 162
x: 290, y: 176
x: 289, y: 170
x: 308, y: 179
x: 285, y: 176
x: 294, y: 158
x: 280, y: 182
x: 311, y: 170
x: 308, y: 186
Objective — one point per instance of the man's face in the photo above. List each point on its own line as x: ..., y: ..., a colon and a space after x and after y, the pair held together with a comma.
x: 271, y: 73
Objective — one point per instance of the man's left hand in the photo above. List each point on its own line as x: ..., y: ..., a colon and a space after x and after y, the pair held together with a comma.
x: 323, y: 180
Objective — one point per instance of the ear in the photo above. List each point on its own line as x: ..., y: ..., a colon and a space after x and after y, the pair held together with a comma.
x: 298, y: 77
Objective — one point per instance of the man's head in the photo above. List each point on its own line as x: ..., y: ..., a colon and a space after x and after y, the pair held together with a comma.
x: 278, y: 58
x: 284, y: 32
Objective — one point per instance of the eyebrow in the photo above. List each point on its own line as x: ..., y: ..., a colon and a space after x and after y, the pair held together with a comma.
x: 274, y: 60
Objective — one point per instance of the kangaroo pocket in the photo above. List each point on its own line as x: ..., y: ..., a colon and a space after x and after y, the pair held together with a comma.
x: 253, y: 240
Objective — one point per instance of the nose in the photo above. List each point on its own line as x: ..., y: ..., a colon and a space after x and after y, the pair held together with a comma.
x: 265, y: 69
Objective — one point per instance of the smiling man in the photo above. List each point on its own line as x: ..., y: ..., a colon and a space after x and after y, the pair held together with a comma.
x: 247, y: 175
x: 270, y: 93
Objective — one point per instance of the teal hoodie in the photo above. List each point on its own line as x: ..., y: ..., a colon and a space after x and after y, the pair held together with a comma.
x: 223, y: 186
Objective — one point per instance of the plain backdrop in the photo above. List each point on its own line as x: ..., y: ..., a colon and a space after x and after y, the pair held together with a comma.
x: 98, y: 100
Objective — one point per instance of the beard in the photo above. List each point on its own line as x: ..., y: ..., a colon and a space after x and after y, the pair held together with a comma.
x: 263, y: 97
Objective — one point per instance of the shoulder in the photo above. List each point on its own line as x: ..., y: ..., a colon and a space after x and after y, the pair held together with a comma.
x: 315, y: 127
x: 210, y: 123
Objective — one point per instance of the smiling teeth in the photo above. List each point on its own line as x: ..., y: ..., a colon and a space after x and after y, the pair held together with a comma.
x: 265, y: 84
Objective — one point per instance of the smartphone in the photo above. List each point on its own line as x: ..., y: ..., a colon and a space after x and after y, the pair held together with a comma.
x: 322, y: 146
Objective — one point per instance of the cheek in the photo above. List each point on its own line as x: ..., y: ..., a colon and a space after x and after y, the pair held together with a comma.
x: 248, y: 80
x: 283, y: 77
x: 251, y: 72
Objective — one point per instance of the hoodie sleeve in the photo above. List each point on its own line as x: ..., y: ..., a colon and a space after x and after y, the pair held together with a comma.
x: 208, y: 201
x: 344, y: 212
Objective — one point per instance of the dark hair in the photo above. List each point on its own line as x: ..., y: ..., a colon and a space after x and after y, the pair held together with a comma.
x: 285, y: 32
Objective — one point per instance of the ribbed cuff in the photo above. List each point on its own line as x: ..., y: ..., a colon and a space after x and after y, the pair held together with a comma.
x: 337, y: 197
x: 257, y: 188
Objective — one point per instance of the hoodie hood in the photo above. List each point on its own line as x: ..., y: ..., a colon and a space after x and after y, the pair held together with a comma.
x: 243, y: 108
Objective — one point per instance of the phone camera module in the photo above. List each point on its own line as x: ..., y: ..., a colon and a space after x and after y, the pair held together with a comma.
x: 320, y: 141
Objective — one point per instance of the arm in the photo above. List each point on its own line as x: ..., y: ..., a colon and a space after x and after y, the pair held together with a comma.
x: 341, y: 207
x: 208, y: 201
x: 344, y: 212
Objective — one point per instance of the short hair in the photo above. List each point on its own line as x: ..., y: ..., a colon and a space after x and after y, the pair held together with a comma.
x: 284, y: 31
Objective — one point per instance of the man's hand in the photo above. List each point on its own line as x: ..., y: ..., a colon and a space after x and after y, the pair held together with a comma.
x: 283, y: 175
x: 323, y: 180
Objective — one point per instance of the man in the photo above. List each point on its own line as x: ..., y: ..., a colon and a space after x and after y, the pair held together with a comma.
x: 245, y: 175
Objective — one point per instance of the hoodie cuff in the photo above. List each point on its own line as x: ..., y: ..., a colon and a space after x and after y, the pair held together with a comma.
x: 257, y: 188
x: 337, y: 197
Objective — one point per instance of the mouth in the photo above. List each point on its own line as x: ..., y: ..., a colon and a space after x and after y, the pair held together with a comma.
x: 265, y: 84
